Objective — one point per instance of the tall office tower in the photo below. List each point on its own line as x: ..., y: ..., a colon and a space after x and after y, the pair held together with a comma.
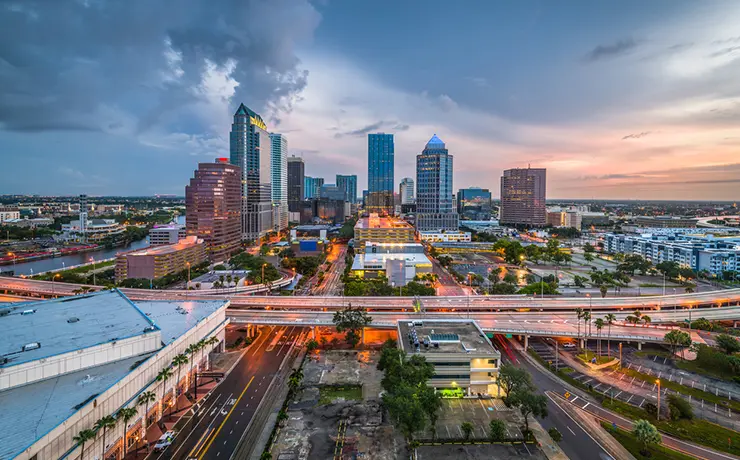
x: 523, y: 197
x: 312, y: 185
x: 406, y: 190
x: 296, y: 190
x: 380, y: 157
x: 213, y: 207
x: 434, y: 208
x: 474, y: 203
x: 349, y: 185
x: 279, y: 172
x: 251, y: 151
x: 83, y: 217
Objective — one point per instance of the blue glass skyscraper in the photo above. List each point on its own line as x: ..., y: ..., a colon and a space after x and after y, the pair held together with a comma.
x: 349, y: 185
x: 434, y: 209
x: 380, y: 161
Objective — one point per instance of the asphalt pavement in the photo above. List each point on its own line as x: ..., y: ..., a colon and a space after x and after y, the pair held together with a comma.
x: 223, y: 416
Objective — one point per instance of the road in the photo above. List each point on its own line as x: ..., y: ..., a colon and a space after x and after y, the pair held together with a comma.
x: 224, y: 416
x: 447, y: 284
x: 331, y: 285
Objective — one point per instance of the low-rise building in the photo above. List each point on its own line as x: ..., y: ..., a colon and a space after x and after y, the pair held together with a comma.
x: 155, y: 262
x: 463, y: 357
x: 399, y: 262
x: 166, y: 234
x: 446, y: 237
x: 382, y: 230
x: 9, y: 213
x: 92, y: 230
x: 30, y: 223
x: 666, y: 221
x: 53, y: 387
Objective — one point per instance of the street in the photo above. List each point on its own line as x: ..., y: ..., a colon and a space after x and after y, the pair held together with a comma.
x: 331, y: 285
x: 215, y: 431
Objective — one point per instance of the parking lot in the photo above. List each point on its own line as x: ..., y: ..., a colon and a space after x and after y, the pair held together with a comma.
x: 479, y: 412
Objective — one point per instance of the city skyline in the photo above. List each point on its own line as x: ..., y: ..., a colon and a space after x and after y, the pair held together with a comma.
x: 626, y: 101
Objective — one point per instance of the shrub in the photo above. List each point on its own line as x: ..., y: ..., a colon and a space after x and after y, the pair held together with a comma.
x: 555, y: 434
x: 497, y: 430
x: 651, y: 409
x: 680, y: 408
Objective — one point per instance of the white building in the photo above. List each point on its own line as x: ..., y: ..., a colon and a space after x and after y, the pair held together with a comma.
x: 92, y: 230
x: 445, y: 237
x: 52, y: 387
x: 9, y: 213
x: 166, y: 234
x: 399, y: 262
x: 279, y: 171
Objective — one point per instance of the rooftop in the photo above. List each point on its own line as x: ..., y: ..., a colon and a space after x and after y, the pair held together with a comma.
x: 67, y: 324
x: 184, y: 243
x: 381, y: 222
x: 362, y: 260
x: 174, y: 318
x: 450, y: 337
x: 435, y: 143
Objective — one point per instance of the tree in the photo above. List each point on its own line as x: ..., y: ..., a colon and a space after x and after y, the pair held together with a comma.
x: 727, y: 343
x: 599, y: 323
x: 588, y: 256
x: 646, y: 319
x: 266, y: 456
x: 539, y: 288
x: 647, y: 434
x: 689, y: 289
x: 609, y: 319
x: 497, y: 430
x: 680, y: 408
x: 512, y: 379
x: 405, y: 410
x: 586, y: 320
x: 295, y: 379
x: 191, y: 350
x: 177, y: 362
x: 467, y: 430
x: 82, y: 438
x: 126, y: 414
x: 282, y: 417
x: 104, y: 423
x: 312, y: 345
x: 603, y: 289
x: 669, y: 268
x: 145, y: 399
x: 510, y: 278
x: 556, y: 435
x: 502, y: 289
x: 677, y: 338
x: 588, y: 247
x: 163, y: 375
x: 431, y: 403
x: 529, y: 404
x: 352, y: 320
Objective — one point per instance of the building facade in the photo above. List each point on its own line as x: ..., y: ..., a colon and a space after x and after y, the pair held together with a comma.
x: 279, y: 172
x: 399, y: 262
x: 213, y: 203
x: 665, y: 222
x: 406, y: 191
x: 523, y: 197
x: 296, y: 177
x: 155, y: 262
x: 251, y: 151
x: 312, y: 186
x: 166, y: 234
x: 434, y: 207
x: 474, y: 203
x: 382, y: 230
x: 9, y: 213
x: 380, y: 173
x: 348, y: 183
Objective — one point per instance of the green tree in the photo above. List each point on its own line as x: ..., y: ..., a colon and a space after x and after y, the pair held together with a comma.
x: 727, y: 343
x: 352, y: 320
x: 467, y: 430
x: 510, y: 277
x: 680, y: 408
x: 539, y: 288
x: 497, y: 430
x: 555, y: 434
x: 312, y: 345
x: 646, y: 434
x: 603, y: 289
x: 588, y: 256
x: 266, y: 456
x: 82, y: 438
x: 405, y: 410
x: 669, y: 268
x: 191, y: 350
x: 163, y: 375
x: 579, y: 316
x: 513, y: 379
x: 599, y: 323
x: 502, y: 289
x: 677, y: 339
x: 609, y: 319
x: 177, y: 363
x: 529, y: 403
x: 126, y: 414
x: 431, y: 403
x: 646, y: 319
x: 145, y: 399
x: 588, y: 247
x: 295, y: 379
x: 104, y: 423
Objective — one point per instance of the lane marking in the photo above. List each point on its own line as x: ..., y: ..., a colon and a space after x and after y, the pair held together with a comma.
x: 200, y: 457
x: 571, y: 431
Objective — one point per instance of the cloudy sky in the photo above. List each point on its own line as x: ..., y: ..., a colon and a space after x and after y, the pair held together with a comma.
x: 628, y: 99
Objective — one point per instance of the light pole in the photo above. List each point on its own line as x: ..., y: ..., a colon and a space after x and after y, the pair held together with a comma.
x: 663, y: 283
x: 620, y: 355
x: 658, y: 414
x: 187, y: 286
x: 56, y: 275
x: 92, y: 259
x: 590, y: 311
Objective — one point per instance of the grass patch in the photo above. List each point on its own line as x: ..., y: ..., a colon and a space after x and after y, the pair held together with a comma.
x: 649, y: 353
x: 564, y: 374
x: 586, y: 356
x: 634, y: 446
x: 685, y: 390
x: 77, y: 270
x: 329, y: 394
x: 649, y: 285
x: 695, y: 367
x: 697, y: 431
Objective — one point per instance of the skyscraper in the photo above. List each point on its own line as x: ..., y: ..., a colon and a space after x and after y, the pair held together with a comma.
x: 406, y: 190
x: 251, y: 151
x: 296, y: 175
x: 380, y: 158
x: 523, y: 197
x: 474, y: 203
x: 434, y: 208
x: 279, y: 173
x: 349, y: 185
x: 312, y: 185
x: 213, y: 207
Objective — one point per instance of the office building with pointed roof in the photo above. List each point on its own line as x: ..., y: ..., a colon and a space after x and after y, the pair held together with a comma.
x: 435, y: 210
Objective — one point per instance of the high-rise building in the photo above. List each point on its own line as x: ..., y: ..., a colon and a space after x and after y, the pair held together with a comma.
x: 474, y: 203
x: 279, y: 172
x: 251, y: 151
x: 332, y: 192
x: 380, y: 170
x: 523, y: 197
x: 312, y: 186
x: 406, y: 190
x: 434, y: 208
x: 213, y: 204
x: 296, y: 177
x: 349, y: 185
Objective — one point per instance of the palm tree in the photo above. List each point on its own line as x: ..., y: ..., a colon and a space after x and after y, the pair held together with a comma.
x: 229, y: 278
x: 586, y: 320
x: 579, y: 314
x: 213, y: 340
x: 177, y: 362
x: 163, y: 375
x: 126, y: 414
x: 191, y: 350
x: 610, y: 319
x: 646, y: 319
x: 81, y: 438
x: 599, y: 326
x: 103, y: 424
x: 145, y: 399
x: 294, y: 381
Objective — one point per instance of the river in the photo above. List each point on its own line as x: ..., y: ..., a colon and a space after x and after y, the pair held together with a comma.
x: 42, y: 265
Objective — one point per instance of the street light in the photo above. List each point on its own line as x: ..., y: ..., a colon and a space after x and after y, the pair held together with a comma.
x: 187, y: 286
x: 92, y: 259
x: 56, y: 275
x: 590, y: 311
x: 658, y: 382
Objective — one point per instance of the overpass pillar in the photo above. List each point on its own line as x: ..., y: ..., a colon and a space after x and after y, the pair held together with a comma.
x: 583, y: 344
x: 526, y: 342
x: 639, y: 345
x: 313, y: 332
x: 362, y: 336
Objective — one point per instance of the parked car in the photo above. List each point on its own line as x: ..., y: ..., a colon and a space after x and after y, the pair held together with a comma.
x: 569, y: 345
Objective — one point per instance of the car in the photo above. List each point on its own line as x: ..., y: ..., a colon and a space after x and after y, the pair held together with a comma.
x: 164, y: 441
x: 569, y: 345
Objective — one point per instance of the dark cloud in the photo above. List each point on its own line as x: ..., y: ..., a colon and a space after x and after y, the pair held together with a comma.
x: 725, y: 51
x: 610, y: 51
x: 74, y: 65
x: 364, y: 131
x: 637, y: 135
